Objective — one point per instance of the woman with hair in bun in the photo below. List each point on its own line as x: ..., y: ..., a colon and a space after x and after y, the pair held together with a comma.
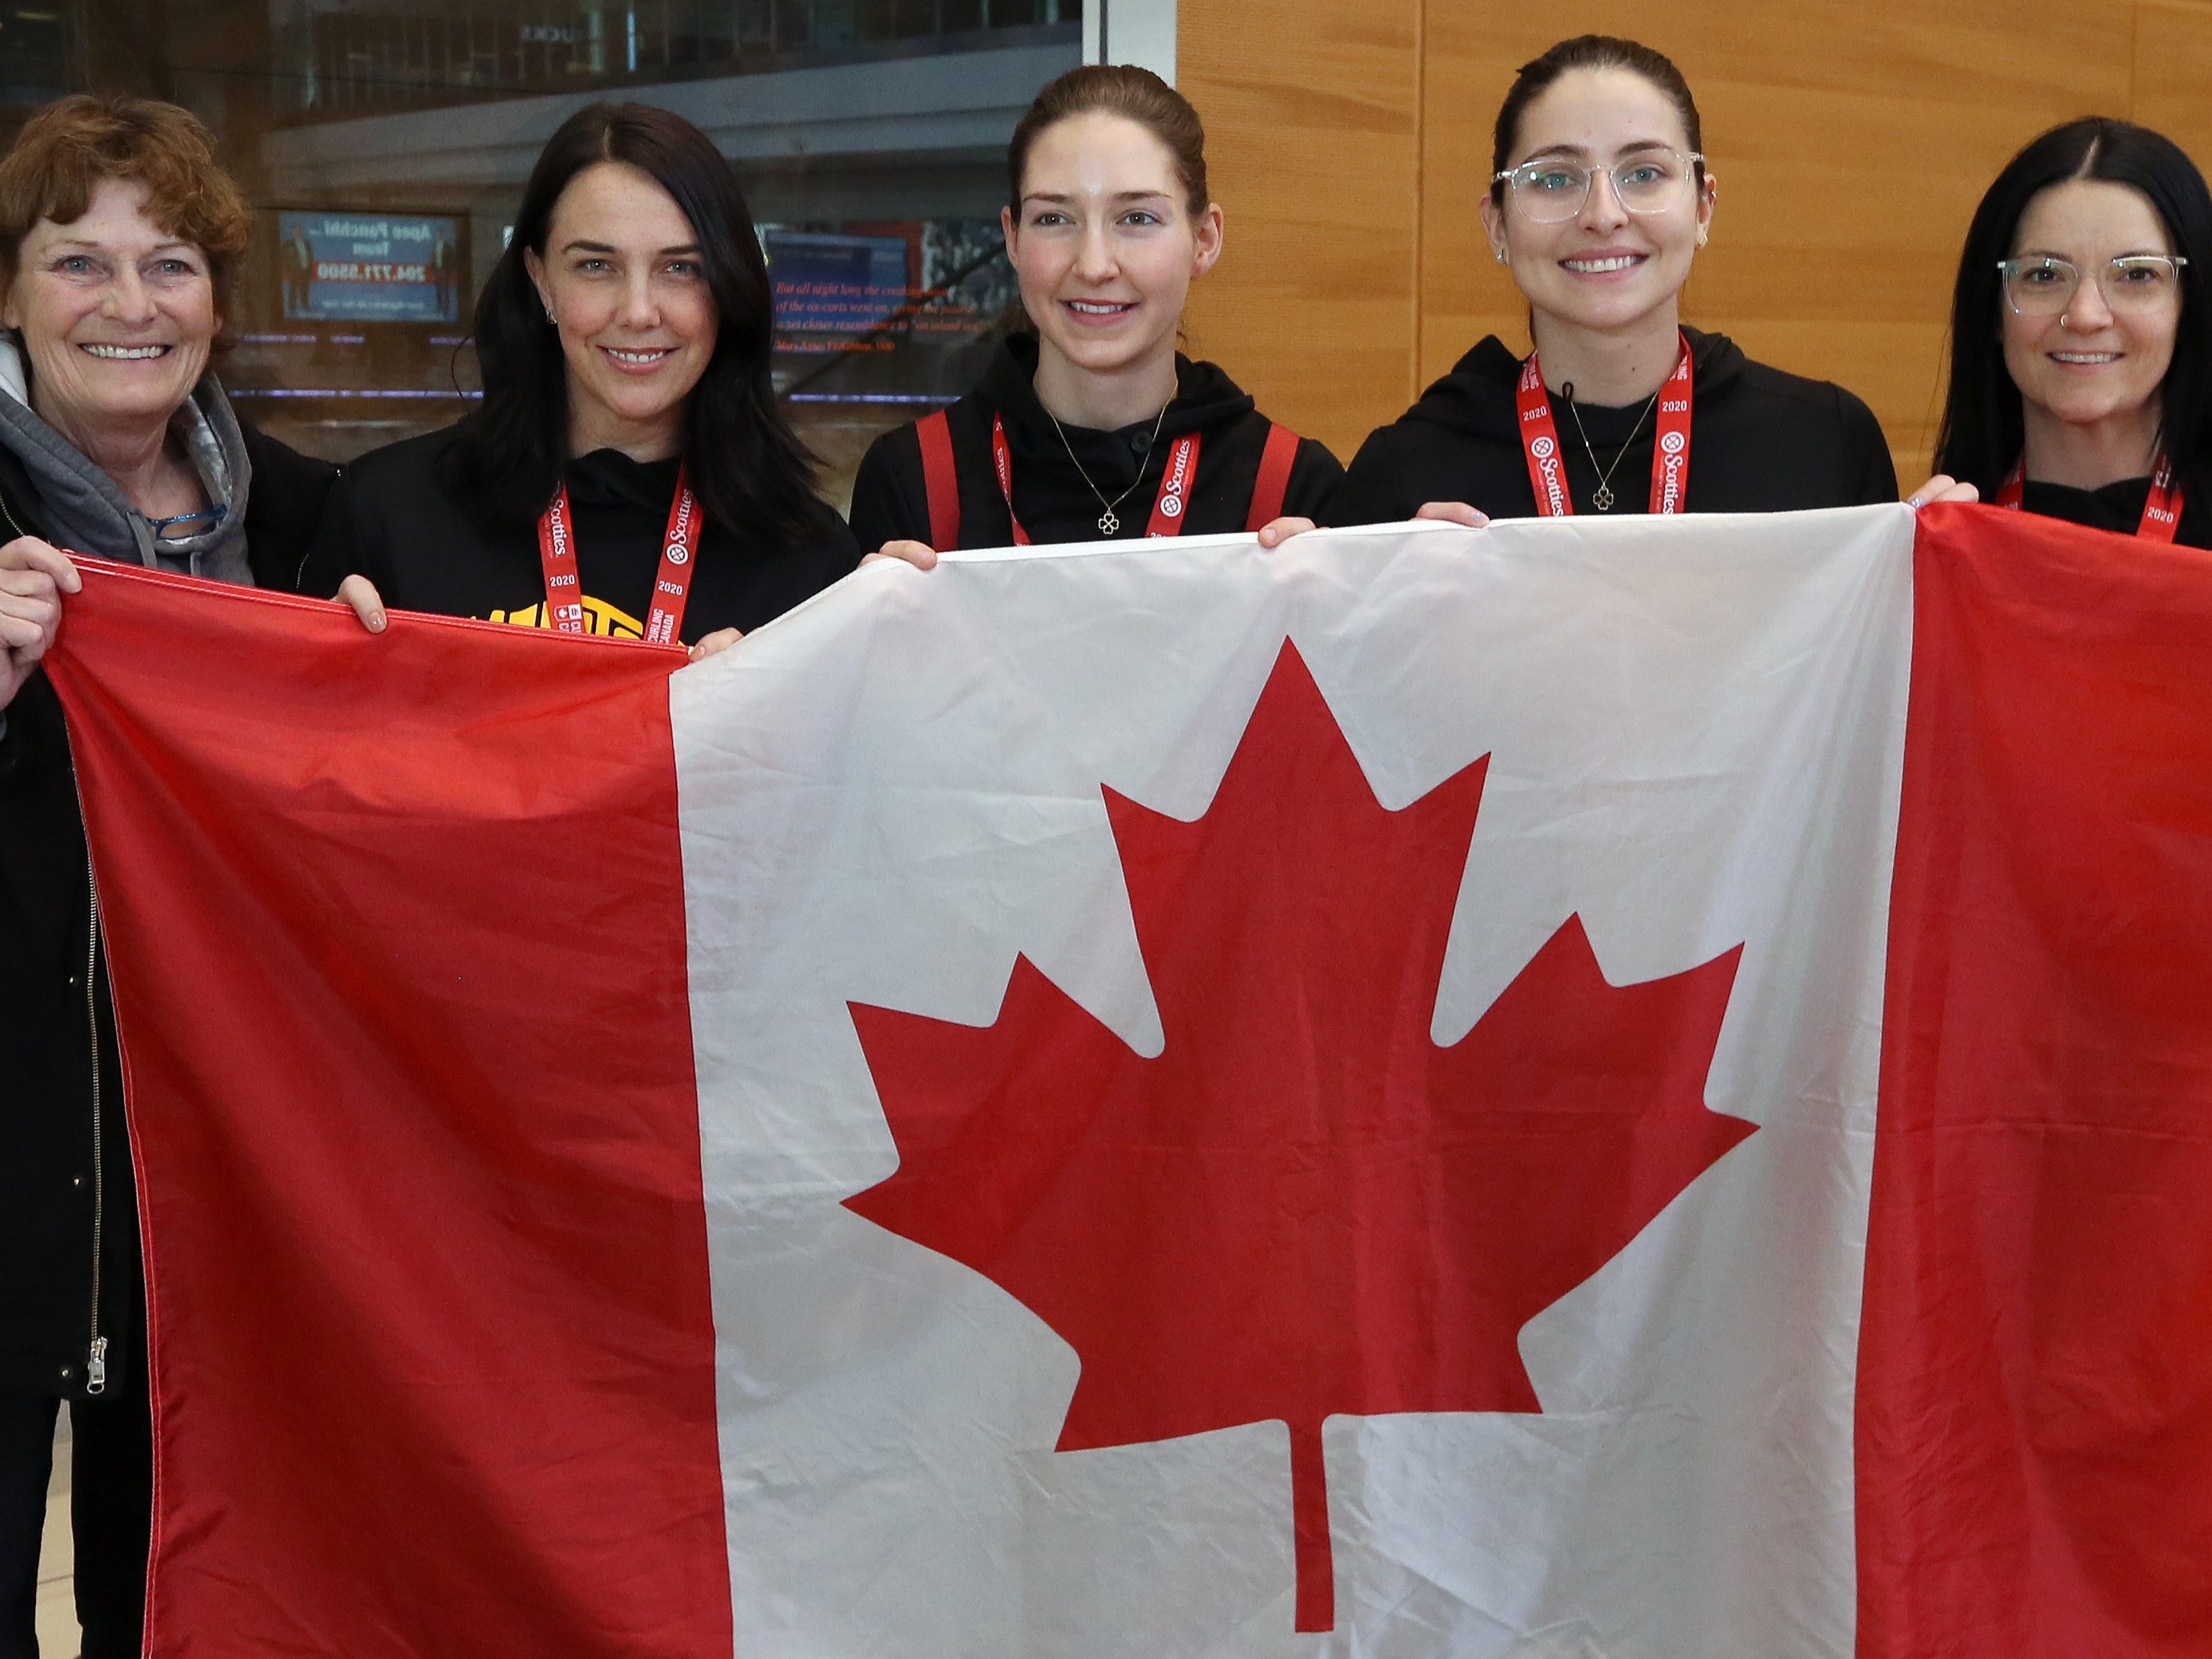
x: 2081, y: 344
x: 1600, y: 200
x: 1094, y: 427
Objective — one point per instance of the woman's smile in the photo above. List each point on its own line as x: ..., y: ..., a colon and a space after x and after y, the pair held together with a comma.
x: 1098, y: 313
x: 124, y: 354
x: 638, y: 360
x: 1602, y: 262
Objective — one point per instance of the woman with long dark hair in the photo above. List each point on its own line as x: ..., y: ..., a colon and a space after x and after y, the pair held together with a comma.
x: 1601, y: 198
x: 2081, y: 356
x: 628, y: 472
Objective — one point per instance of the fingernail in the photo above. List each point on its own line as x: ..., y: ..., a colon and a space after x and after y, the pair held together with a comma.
x: 376, y: 622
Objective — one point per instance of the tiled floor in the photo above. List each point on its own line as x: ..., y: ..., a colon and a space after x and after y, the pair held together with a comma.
x: 58, y: 1630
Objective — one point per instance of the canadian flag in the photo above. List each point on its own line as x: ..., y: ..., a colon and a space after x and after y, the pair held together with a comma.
x: 1581, y: 1090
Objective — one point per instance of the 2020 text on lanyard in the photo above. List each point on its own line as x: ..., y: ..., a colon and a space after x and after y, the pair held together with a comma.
x: 672, y: 584
x: 2161, y: 513
x: 1670, y: 455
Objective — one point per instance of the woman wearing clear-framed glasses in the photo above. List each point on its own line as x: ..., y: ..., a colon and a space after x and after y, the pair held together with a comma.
x: 1601, y: 199
x: 2081, y: 365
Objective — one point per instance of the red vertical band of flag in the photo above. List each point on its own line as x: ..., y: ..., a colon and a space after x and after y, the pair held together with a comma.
x: 2034, y: 1430
x: 399, y: 967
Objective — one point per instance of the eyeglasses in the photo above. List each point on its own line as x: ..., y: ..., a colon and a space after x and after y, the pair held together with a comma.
x: 2044, y: 286
x: 1554, y: 190
x: 213, y: 515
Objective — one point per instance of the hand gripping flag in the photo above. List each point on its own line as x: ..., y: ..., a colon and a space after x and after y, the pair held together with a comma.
x: 1580, y: 1089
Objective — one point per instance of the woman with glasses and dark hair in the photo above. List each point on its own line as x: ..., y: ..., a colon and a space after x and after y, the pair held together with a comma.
x: 1601, y: 199
x: 628, y: 472
x: 2080, y: 363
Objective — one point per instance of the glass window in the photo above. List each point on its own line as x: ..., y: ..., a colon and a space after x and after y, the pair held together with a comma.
x: 384, y: 144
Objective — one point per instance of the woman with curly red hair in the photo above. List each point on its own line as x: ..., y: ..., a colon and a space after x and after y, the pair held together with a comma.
x: 119, y: 236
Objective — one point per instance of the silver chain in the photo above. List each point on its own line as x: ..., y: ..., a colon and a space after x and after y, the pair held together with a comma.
x: 1603, y: 499
x: 1110, y: 522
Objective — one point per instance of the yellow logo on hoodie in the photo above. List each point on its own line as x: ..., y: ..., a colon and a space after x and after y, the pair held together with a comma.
x: 599, y: 617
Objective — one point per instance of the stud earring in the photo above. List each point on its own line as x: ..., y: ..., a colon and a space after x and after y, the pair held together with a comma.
x: 1498, y: 254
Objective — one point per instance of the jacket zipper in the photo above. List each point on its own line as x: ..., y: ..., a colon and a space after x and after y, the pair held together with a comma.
x: 95, y: 1370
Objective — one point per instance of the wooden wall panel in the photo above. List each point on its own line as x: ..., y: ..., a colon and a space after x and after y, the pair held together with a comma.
x: 1312, y: 111
x: 2173, y: 74
x: 1851, y: 144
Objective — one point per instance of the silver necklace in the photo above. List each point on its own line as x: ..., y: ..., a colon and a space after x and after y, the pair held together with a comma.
x: 1110, y: 522
x: 1604, y: 499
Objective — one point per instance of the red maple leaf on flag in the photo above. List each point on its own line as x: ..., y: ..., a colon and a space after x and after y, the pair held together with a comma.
x: 1303, y: 1205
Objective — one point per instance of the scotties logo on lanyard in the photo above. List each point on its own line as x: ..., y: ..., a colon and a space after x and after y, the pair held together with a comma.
x: 671, y: 585
x: 1670, y: 456
x: 1167, y: 511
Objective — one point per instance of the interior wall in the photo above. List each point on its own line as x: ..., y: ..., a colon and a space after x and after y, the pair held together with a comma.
x: 1349, y: 144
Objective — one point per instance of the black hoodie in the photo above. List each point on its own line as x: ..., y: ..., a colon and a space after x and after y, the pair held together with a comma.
x: 2117, y: 507
x: 889, y: 503
x: 1760, y: 442
x: 396, y: 519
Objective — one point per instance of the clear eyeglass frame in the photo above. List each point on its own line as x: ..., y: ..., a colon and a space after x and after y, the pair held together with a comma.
x: 2134, y: 281
x: 1556, y: 204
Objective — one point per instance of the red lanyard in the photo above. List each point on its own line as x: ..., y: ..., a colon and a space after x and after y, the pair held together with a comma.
x: 1539, y: 442
x: 1167, y: 512
x: 2161, y: 513
x: 564, y: 590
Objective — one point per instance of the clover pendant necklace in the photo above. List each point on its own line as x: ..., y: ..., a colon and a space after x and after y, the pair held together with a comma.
x: 1110, y: 521
x: 1604, y: 497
